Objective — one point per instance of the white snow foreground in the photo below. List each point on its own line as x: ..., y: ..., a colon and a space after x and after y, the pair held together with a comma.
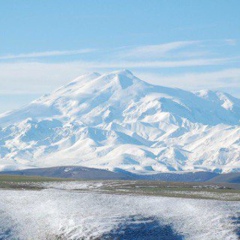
x: 63, y: 214
x: 118, y: 122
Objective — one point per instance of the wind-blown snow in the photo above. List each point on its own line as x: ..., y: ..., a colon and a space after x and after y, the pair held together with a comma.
x: 117, y: 121
x: 63, y: 214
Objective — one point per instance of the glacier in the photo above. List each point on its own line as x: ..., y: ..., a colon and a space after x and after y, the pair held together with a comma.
x: 116, y: 121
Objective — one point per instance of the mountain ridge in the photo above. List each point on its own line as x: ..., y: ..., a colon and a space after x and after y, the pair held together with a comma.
x: 117, y: 121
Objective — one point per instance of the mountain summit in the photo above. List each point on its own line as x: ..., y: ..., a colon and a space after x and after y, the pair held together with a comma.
x: 118, y: 122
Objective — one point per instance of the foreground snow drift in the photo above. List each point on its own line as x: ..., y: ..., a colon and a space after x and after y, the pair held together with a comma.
x: 66, y: 214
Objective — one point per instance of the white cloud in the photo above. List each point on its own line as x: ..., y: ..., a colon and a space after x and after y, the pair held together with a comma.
x: 174, y: 49
x: 159, y: 50
x: 34, y: 77
x: 217, y: 80
x: 231, y: 42
x: 45, y: 54
x: 161, y: 64
x: 40, y: 78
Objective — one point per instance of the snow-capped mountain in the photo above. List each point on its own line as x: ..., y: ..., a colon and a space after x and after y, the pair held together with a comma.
x: 118, y: 122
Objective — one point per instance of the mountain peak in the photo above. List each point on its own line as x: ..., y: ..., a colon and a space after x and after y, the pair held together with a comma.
x: 124, y: 78
x: 125, y: 72
x: 116, y: 120
x: 85, y: 77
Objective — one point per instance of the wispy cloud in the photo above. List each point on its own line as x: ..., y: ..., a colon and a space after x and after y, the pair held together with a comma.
x: 231, y: 42
x: 46, y: 54
x: 159, y: 50
x: 40, y: 78
x: 29, y: 75
x: 174, y: 50
x: 221, y: 79
x: 160, y: 64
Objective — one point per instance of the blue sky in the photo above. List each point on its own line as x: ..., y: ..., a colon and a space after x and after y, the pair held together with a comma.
x: 187, y: 44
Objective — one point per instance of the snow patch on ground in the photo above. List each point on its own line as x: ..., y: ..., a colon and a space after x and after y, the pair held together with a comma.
x: 53, y: 213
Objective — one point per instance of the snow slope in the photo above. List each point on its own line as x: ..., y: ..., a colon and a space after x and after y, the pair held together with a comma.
x: 118, y: 122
